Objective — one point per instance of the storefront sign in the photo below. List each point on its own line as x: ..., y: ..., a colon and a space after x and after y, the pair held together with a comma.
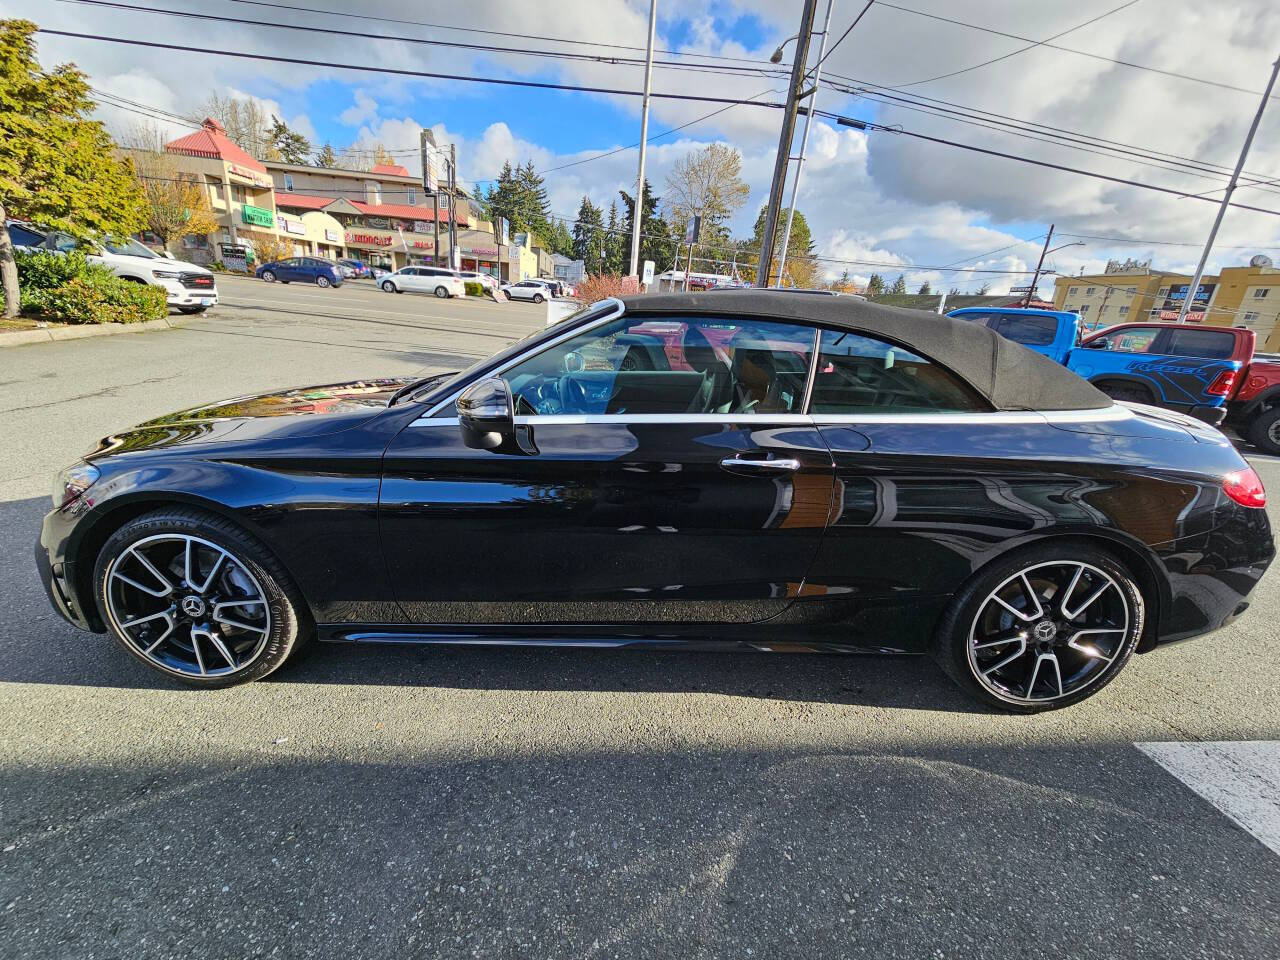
x: 332, y: 236
x: 421, y: 226
x: 258, y: 216
x: 244, y: 173
x: 234, y: 256
x: 1178, y: 293
x: 382, y: 223
x: 420, y: 244
x: 368, y: 239
x: 488, y: 253
x: 290, y: 226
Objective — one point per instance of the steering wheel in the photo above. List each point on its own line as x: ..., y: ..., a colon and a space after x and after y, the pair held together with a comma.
x: 573, y: 396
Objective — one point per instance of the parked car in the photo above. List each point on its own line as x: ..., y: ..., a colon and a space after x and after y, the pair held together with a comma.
x: 472, y: 276
x: 441, y: 281
x: 534, y: 290
x: 188, y: 288
x: 377, y: 273
x: 1254, y: 409
x: 934, y: 487
x: 302, y: 270
x: 359, y: 269
x: 1193, y: 369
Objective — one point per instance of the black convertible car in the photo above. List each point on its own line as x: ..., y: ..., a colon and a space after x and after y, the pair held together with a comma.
x: 753, y: 470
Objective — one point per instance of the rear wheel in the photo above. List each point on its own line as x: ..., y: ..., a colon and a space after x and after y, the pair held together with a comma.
x: 269, y: 276
x: 323, y: 281
x: 1042, y: 629
x: 1123, y: 390
x: 194, y: 597
x: 442, y: 292
x: 388, y: 286
x: 192, y: 309
x: 1264, y: 431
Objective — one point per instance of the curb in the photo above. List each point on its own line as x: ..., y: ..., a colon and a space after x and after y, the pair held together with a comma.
x: 19, y: 338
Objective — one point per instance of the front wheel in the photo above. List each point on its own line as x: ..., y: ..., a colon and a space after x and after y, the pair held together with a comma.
x: 1264, y: 431
x: 268, y: 276
x: 442, y: 293
x: 323, y: 282
x: 388, y: 286
x: 538, y: 298
x: 1042, y: 629
x: 197, y: 599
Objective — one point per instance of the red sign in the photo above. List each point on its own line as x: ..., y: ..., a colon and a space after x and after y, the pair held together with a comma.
x: 1194, y: 316
x: 371, y: 239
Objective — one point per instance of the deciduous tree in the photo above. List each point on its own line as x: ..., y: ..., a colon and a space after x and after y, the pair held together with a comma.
x: 176, y: 205
x: 706, y: 183
x: 57, y: 167
x: 801, y: 267
x: 244, y: 120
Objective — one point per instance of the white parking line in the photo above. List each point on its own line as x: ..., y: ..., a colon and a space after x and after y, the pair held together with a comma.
x: 1240, y: 778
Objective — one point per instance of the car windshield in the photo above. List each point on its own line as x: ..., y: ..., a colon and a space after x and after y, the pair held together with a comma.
x: 130, y: 248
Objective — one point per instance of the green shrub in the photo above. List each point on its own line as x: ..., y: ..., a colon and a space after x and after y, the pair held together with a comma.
x: 67, y: 288
x: 93, y: 298
x: 474, y: 288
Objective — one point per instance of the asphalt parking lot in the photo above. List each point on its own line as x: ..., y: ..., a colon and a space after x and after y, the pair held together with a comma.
x: 401, y: 802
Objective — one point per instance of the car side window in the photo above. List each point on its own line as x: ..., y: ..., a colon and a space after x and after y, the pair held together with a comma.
x: 669, y: 365
x: 1209, y: 344
x: 861, y: 374
x: 1135, y: 340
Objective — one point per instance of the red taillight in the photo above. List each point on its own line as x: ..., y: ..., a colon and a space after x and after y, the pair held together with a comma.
x: 1223, y: 384
x: 1245, y: 488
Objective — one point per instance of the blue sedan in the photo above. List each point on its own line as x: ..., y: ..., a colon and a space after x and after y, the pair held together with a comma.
x: 303, y: 269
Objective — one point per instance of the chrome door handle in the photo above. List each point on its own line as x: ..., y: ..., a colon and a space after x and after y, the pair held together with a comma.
x: 762, y: 466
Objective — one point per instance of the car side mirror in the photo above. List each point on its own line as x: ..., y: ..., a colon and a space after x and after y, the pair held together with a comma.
x: 486, y: 417
x: 1102, y: 343
x: 167, y: 255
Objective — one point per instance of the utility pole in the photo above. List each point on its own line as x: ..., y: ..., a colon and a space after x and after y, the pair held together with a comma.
x: 1194, y: 286
x: 634, y: 270
x: 454, y: 262
x: 784, y: 143
x: 1035, y: 279
x: 804, y: 138
x: 427, y: 145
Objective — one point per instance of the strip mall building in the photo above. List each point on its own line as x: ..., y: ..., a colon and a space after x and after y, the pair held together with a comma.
x: 380, y: 216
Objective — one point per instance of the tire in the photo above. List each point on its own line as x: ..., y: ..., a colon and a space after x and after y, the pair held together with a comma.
x: 1032, y: 671
x: 323, y: 282
x: 1123, y: 390
x: 190, y: 310
x: 269, y: 276
x: 442, y: 293
x: 1264, y: 431
x: 267, y: 620
x: 388, y: 286
x: 539, y: 298
x: 507, y: 294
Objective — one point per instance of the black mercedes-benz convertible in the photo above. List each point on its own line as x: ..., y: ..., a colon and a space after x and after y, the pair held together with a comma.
x: 749, y: 470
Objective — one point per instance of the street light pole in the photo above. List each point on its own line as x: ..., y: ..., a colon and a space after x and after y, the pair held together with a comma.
x: 634, y: 270
x: 1194, y: 286
x: 804, y: 139
x: 784, y: 143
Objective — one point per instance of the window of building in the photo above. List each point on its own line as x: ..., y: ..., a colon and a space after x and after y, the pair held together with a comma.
x: 410, y: 196
x: 288, y: 182
x: 1250, y: 317
x: 1072, y: 291
x: 375, y: 193
x: 1162, y: 292
x: 1124, y: 311
x: 1261, y: 293
x: 1084, y: 309
x: 1089, y: 291
x: 707, y: 365
x: 858, y: 374
x: 237, y: 193
x: 1131, y: 291
x: 215, y: 195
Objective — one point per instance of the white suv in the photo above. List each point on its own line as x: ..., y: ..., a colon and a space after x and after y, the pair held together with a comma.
x: 188, y: 288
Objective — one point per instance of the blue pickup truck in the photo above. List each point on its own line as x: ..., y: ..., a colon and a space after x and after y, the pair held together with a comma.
x: 1185, y: 367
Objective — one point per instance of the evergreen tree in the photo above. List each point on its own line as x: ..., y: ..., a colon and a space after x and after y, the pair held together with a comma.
x: 326, y: 157
x: 899, y: 285
x: 614, y: 249
x: 560, y: 240
x: 656, y: 240
x: 588, y: 234
x: 532, y: 200
x: 875, y: 286
x: 290, y: 146
x: 925, y: 290
x: 801, y: 267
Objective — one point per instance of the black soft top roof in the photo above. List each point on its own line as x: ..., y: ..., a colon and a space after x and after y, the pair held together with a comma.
x: 1009, y: 375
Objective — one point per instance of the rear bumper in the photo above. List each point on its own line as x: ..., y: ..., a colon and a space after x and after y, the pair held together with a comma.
x: 1213, y: 416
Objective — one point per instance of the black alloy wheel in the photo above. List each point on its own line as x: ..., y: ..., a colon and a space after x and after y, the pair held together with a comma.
x: 195, y: 598
x: 1043, y: 629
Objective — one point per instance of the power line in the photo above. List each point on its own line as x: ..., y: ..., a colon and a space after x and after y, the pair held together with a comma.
x: 849, y: 30
x: 483, y: 48
x: 1170, y: 243
x: 1030, y: 46
x: 846, y: 121
x: 1082, y: 53
x: 394, y: 71
x: 501, y: 33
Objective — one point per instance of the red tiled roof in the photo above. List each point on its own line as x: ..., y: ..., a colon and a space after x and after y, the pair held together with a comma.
x: 211, y: 141
x: 401, y: 211
x: 301, y: 201
x: 390, y: 170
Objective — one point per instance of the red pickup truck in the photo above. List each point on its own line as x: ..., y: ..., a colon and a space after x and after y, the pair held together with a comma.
x: 1254, y: 408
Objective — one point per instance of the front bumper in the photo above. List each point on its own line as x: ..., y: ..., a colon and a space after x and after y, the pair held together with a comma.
x: 181, y: 296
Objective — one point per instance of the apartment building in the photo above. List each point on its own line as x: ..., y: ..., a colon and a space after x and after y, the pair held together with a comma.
x: 1128, y: 290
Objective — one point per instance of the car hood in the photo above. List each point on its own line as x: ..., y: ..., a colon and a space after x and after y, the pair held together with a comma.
x: 149, y: 263
x: 310, y: 411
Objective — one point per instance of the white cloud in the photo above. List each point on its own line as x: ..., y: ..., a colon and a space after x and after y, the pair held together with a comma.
x: 362, y: 111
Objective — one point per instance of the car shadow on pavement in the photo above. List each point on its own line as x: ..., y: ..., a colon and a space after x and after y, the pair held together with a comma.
x: 42, y: 648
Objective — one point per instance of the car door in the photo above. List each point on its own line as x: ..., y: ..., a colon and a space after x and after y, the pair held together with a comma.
x: 928, y: 477
x: 288, y: 270
x: 672, y: 477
